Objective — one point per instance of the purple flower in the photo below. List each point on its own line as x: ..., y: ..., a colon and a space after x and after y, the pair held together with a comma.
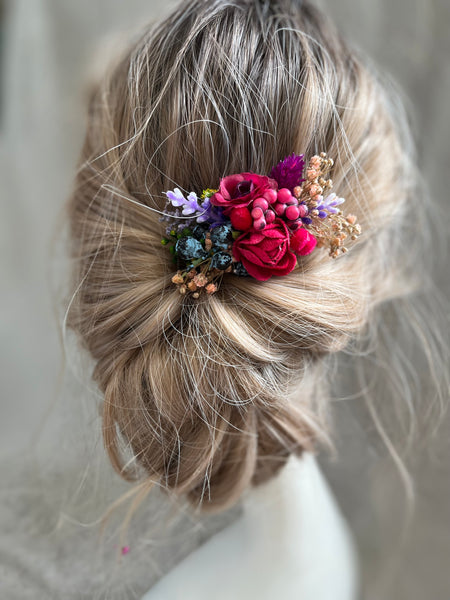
x: 191, y: 205
x: 211, y: 214
x: 206, y: 207
x: 288, y: 173
x: 328, y: 206
x: 176, y: 197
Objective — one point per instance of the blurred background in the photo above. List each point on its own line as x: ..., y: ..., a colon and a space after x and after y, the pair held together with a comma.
x: 48, y: 50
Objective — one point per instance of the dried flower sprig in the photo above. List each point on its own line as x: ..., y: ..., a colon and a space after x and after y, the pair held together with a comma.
x: 255, y: 225
x: 324, y: 220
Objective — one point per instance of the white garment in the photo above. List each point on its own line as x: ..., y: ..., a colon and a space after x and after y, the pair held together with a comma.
x: 291, y: 542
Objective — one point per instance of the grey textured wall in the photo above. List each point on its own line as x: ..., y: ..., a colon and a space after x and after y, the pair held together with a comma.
x: 408, y: 39
x: 48, y: 46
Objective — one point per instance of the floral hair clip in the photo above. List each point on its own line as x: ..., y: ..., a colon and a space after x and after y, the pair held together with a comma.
x: 255, y: 225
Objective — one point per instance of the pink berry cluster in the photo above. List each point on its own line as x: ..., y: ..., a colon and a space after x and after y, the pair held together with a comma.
x: 261, y: 213
x: 286, y: 205
x: 264, y: 210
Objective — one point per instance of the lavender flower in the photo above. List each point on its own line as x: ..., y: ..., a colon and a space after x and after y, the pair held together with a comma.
x: 176, y: 197
x: 328, y: 205
x: 191, y: 207
x: 288, y: 173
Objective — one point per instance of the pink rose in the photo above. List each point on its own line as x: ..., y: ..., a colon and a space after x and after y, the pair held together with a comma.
x: 302, y: 242
x: 236, y: 191
x: 267, y: 252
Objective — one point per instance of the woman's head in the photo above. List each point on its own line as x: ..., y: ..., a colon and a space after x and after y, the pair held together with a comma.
x: 212, y: 394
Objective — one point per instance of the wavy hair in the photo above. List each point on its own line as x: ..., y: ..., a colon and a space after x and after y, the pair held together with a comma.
x: 208, y: 396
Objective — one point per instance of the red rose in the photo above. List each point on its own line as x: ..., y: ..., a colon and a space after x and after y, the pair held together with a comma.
x: 267, y: 252
x: 302, y: 242
x: 236, y: 191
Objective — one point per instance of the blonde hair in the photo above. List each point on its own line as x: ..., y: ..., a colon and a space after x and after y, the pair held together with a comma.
x: 208, y: 396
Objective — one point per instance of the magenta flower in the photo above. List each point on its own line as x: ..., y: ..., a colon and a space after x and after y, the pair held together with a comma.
x: 302, y: 242
x: 288, y: 173
x: 237, y: 191
x: 265, y: 253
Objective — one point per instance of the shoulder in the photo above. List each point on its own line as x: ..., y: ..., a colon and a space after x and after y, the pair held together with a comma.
x: 291, y: 542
